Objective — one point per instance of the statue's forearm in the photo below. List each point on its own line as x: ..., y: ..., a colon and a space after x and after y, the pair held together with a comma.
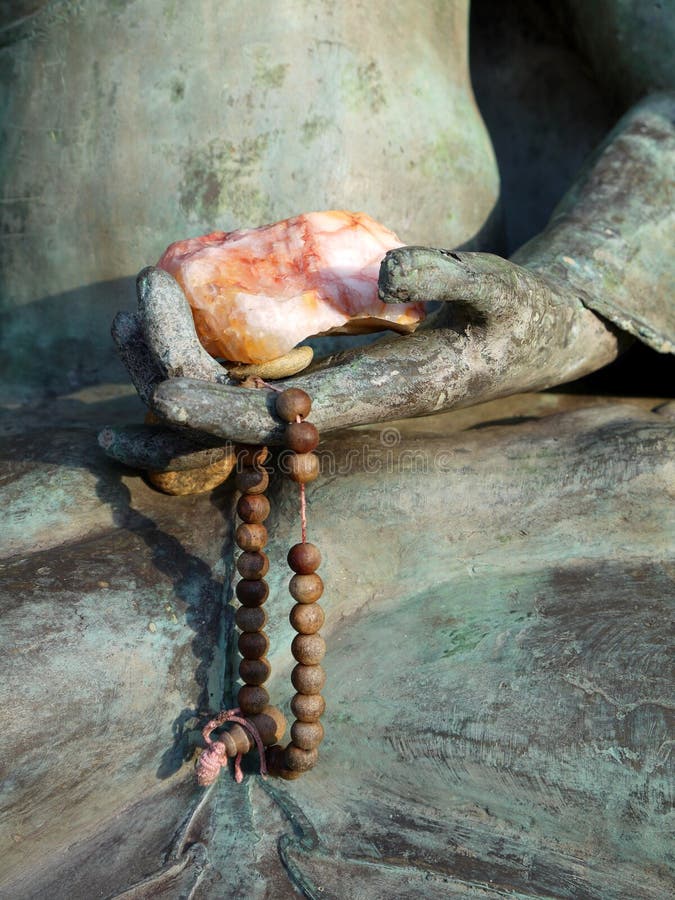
x: 610, y: 240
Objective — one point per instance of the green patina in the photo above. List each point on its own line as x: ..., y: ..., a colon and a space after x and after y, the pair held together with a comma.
x: 222, y: 179
x: 314, y: 127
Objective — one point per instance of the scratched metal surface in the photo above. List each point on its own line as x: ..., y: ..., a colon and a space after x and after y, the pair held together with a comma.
x: 500, y: 582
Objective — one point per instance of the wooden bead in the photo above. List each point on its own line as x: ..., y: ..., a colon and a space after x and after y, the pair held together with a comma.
x: 252, y: 481
x: 271, y: 725
x: 304, y: 558
x: 306, y: 588
x: 307, y: 618
x: 308, y: 707
x: 230, y: 746
x: 292, y: 403
x: 308, y: 649
x: 251, y: 536
x: 255, y: 671
x: 276, y: 764
x: 253, y: 508
x: 253, y: 564
x: 250, y: 455
x: 236, y: 740
x: 252, y: 699
x: 307, y: 735
x: 250, y: 618
x: 299, y: 760
x: 274, y: 758
x: 252, y: 592
x: 303, y: 467
x: 301, y: 437
x: 308, y: 679
x: 253, y: 644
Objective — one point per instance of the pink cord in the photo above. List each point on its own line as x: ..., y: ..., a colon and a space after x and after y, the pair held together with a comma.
x: 303, y: 504
x: 214, y: 757
x: 259, y: 382
x: 303, y: 513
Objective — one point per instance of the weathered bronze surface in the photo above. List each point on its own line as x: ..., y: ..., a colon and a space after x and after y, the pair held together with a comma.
x: 499, y: 578
x: 498, y: 685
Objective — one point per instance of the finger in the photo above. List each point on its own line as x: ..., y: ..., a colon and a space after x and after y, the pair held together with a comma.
x: 127, y: 333
x: 407, y: 376
x: 170, y: 331
x: 395, y: 378
x: 240, y: 414
x: 161, y: 449
x: 486, y: 286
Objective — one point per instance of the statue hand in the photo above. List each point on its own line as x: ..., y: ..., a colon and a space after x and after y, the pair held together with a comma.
x: 503, y: 326
x: 500, y: 330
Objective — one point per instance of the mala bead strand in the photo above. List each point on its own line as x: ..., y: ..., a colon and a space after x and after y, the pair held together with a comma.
x: 256, y: 722
x: 252, y: 592
x: 306, y: 587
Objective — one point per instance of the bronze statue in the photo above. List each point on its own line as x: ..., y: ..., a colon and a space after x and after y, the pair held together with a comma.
x: 500, y: 574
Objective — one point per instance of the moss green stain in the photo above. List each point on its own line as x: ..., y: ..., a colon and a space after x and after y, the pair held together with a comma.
x: 362, y: 87
x: 248, y: 203
x: 222, y: 176
x: 270, y: 76
x: 177, y: 90
x: 464, y: 638
x: 170, y: 11
x: 442, y: 156
x: 118, y: 6
x: 312, y: 128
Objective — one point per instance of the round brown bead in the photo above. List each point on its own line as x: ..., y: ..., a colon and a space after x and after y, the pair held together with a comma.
x: 251, y: 455
x: 301, y: 437
x: 271, y: 724
x: 253, y: 508
x: 255, y: 671
x: 253, y: 564
x: 252, y: 592
x: 308, y: 679
x: 250, y: 618
x: 274, y: 757
x: 236, y: 740
x: 292, y: 403
x: 252, y: 481
x: 276, y: 764
x: 307, y: 618
x: 299, y: 760
x: 307, y: 735
x: 308, y: 649
x: 306, y: 588
x: 304, y: 558
x: 250, y: 536
x: 303, y: 467
x: 308, y: 707
x: 252, y: 699
x: 253, y: 644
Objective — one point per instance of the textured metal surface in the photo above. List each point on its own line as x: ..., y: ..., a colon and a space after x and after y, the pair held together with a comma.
x: 499, y: 598
x: 608, y: 239
x: 498, y: 690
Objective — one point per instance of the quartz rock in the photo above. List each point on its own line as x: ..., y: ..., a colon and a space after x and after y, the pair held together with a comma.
x: 255, y: 294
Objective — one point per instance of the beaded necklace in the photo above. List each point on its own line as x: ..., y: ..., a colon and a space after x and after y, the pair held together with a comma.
x: 256, y: 723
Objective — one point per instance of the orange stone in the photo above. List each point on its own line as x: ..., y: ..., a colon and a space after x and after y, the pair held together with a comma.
x: 256, y: 294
